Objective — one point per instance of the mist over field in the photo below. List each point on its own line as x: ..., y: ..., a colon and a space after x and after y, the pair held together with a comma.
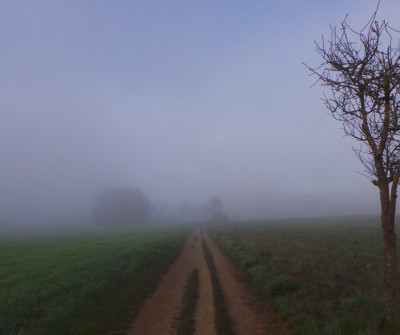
x: 181, y: 100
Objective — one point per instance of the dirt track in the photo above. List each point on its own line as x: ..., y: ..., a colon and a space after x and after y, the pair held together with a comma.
x: 159, y: 313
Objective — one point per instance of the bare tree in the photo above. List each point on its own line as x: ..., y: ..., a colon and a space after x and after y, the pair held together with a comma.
x: 214, y: 209
x: 362, y: 71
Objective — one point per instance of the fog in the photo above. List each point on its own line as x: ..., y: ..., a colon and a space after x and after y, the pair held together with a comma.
x: 182, y: 100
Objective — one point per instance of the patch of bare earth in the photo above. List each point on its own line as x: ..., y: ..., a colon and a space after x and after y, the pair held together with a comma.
x: 249, y: 315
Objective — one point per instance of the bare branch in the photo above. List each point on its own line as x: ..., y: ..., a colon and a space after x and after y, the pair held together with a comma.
x: 362, y: 72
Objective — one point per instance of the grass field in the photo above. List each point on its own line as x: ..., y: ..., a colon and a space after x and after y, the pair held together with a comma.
x: 80, y: 283
x: 323, y: 276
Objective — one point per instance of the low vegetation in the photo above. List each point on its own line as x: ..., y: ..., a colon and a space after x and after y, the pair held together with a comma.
x: 186, y: 320
x: 323, y: 276
x: 86, y: 284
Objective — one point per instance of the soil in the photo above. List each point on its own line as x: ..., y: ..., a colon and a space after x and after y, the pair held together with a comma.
x: 159, y: 313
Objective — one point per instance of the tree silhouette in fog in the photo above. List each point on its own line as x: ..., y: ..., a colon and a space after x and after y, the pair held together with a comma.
x: 214, y: 210
x: 121, y: 206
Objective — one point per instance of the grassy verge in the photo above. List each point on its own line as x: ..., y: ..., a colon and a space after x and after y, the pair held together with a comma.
x: 324, y: 277
x: 86, y: 284
x: 186, y: 320
x: 223, y: 323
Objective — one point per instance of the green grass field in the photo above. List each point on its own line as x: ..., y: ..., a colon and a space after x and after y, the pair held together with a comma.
x: 80, y: 283
x: 323, y: 276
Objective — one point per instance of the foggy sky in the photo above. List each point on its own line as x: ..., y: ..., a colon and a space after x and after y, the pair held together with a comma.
x: 182, y: 99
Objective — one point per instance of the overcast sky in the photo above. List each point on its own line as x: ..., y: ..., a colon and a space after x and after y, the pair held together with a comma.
x: 183, y: 99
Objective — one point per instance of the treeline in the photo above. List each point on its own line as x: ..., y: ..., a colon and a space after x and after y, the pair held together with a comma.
x: 130, y: 206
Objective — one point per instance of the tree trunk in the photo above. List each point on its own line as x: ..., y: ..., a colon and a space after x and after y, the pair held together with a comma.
x: 388, y: 208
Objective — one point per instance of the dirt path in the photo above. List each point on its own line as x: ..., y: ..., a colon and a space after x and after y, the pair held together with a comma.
x: 159, y: 313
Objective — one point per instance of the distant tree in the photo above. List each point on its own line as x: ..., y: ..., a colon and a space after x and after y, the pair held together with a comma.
x: 122, y: 206
x: 187, y: 212
x: 362, y: 71
x: 214, y: 209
